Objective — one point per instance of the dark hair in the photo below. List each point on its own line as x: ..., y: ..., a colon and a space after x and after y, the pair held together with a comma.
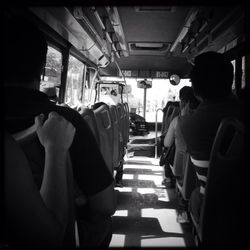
x: 186, y: 94
x: 98, y: 104
x: 212, y: 75
x: 25, y: 50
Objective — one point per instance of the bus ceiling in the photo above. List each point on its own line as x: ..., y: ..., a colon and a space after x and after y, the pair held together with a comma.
x: 146, y: 41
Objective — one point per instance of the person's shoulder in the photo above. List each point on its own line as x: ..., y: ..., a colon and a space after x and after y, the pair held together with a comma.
x: 68, y: 113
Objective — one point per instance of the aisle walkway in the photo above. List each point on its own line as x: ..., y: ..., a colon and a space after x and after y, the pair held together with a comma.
x: 146, y: 212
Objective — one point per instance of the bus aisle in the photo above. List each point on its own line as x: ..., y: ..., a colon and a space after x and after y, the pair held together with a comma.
x: 146, y: 214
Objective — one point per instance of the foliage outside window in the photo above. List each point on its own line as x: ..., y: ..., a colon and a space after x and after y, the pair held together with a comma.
x: 52, y: 73
x: 74, y: 86
x: 243, y: 77
x: 233, y: 85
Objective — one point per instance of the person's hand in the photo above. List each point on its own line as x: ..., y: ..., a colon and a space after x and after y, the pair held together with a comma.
x: 56, y: 132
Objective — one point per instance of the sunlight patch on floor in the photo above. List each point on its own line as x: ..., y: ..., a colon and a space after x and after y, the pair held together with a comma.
x: 121, y: 213
x: 146, y: 190
x: 156, y: 179
x: 118, y: 240
x: 128, y: 177
x: 146, y: 167
x: 163, y: 242
x: 124, y: 189
x: 166, y: 218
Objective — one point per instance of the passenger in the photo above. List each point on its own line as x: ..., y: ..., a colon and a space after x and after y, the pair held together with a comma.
x: 212, y: 79
x: 26, y: 49
x: 165, y: 123
x: 188, y: 102
x: 51, y: 93
x: 33, y: 218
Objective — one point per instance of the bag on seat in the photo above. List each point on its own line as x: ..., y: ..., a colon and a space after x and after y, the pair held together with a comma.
x: 167, y: 156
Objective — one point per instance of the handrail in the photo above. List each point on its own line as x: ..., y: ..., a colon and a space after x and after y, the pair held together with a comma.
x: 156, y: 130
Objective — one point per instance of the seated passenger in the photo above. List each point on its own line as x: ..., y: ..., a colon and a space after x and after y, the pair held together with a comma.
x: 23, y: 101
x: 33, y: 218
x: 51, y: 93
x: 212, y: 79
x: 188, y: 103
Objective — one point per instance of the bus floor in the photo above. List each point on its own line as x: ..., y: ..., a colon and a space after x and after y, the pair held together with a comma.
x: 146, y: 214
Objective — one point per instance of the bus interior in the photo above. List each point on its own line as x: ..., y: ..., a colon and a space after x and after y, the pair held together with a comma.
x: 124, y: 64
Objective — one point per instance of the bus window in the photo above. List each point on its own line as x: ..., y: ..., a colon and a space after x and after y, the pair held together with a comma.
x: 157, y: 96
x: 87, y: 90
x: 233, y: 86
x: 74, y: 85
x: 243, y: 77
x: 52, y: 73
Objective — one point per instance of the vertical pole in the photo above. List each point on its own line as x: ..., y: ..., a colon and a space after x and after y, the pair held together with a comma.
x: 144, y: 103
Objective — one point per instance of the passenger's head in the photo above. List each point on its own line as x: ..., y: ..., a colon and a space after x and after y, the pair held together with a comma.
x: 51, y: 93
x: 212, y: 76
x: 187, y: 97
x: 25, y: 50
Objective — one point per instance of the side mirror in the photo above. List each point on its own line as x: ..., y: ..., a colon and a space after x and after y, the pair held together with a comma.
x: 174, y: 79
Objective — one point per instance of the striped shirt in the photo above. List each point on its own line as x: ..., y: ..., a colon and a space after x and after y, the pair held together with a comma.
x: 201, y: 168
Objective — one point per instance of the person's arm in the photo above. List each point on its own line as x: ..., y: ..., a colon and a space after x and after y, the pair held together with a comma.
x: 90, y: 171
x: 169, y: 138
x: 56, y: 135
x: 104, y: 202
x: 36, y: 218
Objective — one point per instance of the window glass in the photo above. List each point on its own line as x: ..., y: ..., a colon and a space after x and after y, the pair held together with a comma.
x: 74, y: 85
x: 157, y: 96
x: 233, y: 86
x: 243, y: 77
x: 52, y: 73
x: 87, y: 91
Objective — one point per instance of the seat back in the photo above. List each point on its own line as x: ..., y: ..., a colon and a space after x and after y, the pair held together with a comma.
x: 126, y: 109
x: 175, y: 112
x: 166, y: 115
x: 104, y: 126
x: 124, y: 125
x: 187, y: 182
x: 222, y: 215
x: 27, y: 150
x: 121, y: 121
x: 116, y: 136
x: 88, y: 115
x: 172, y: 111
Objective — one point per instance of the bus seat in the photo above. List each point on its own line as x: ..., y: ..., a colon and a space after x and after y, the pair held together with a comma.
x: 126, y: 108
x: 172, y: 111
x: 186, y: 184
x: 88, y: 115
x: 166, y: 115
x: 177, y: 167
x: 116, y: 136
x: 104, y: 126
x: 24, y: 147
x: 222, y: 214
x: 124, y: 126
x: 175, y: 112
x: 121, y: 121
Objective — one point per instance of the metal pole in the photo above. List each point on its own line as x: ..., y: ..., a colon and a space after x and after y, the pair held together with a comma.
x: 144, y: 103
x: 156, y: 130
